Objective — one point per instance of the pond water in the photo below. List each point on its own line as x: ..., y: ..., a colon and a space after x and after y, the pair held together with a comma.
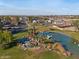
x: 23, y: 40
x: 65, y: 40
x: 16, y: 30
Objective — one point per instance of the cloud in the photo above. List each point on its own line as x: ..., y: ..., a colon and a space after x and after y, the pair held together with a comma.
x: 37, y: 7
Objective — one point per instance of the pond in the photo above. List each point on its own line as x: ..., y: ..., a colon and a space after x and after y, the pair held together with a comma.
x: 22, y: 40
x: 17, y: 30
x: 65, y: 40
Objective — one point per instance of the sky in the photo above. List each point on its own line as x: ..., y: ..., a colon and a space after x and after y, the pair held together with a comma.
x: 39, y: 7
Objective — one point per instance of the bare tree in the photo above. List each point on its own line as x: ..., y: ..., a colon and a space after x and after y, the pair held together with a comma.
x: 76, y: 24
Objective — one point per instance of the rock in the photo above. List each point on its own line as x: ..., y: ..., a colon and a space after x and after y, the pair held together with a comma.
x: 68, y: 53
x: 75, y: 43
x: 65, y: 54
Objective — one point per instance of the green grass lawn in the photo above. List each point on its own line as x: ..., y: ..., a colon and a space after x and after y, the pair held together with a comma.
x: 20, y: 35
x: 17, y: 53
x: 13, y: 53
x: 52, y: 55
x: 72, y: 34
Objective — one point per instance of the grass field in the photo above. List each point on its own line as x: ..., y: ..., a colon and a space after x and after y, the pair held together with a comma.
x: 12, y: 53
x: 18, y: 53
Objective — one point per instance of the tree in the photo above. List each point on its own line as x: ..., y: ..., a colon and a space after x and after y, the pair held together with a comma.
x: 0, y: 25
x: 45, y: 18
x: 7, y: 18
x: 1, y: 38
x: 1, y: 31
x: 76, y: 24
x: 17, y: 18
x: 6, y: 37
x: 30, y: 18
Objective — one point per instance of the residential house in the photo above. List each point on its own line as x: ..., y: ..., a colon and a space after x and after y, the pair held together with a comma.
x: 62, y: 23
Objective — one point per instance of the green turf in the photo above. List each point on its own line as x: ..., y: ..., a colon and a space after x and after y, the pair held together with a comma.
x: 18, y: 53
x: 13, y: 53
